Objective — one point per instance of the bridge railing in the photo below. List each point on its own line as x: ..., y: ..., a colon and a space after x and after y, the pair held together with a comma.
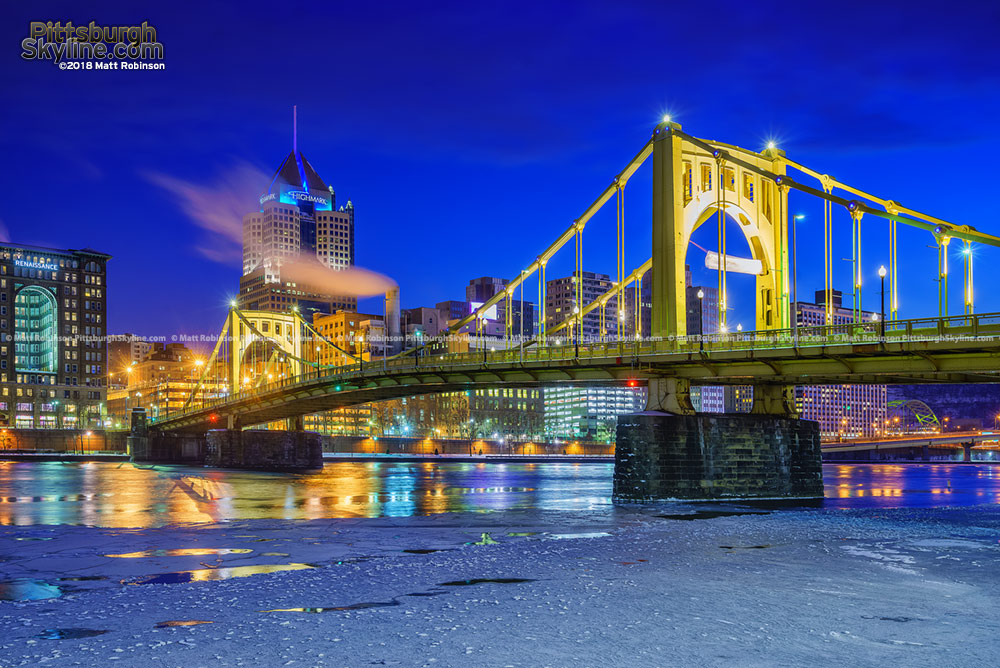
x: 963, y: 327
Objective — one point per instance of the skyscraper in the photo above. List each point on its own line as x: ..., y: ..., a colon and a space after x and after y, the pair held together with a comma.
x: 297, y: 225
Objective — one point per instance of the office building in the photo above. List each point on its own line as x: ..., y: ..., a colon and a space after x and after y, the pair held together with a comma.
x: 163, y: 381
x: 561, y: 305
x: 53, y: 322
x: 296, y: 234
x: 589, y: 411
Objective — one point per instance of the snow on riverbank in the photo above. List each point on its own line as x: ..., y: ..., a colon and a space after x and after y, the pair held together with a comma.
x: 846, y: 588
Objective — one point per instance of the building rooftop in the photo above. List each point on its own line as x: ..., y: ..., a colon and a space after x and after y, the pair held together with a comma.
x: 296, y: 171
x: 45, y: 249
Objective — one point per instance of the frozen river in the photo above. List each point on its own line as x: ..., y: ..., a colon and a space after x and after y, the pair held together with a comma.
x: 121, y: 495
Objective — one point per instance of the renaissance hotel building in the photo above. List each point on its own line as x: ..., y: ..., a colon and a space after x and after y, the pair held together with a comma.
x: 53, y: 344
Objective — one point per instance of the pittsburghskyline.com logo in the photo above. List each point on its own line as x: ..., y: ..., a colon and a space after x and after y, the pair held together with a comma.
x: 93, y: 46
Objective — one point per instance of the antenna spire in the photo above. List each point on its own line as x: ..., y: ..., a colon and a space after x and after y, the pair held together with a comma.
x: 295, y: 128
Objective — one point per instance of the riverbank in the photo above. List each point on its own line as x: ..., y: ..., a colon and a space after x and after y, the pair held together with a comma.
x: 672, y: 585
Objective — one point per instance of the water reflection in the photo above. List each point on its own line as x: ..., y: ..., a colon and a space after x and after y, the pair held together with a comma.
x: 911, y: 485
x: 181, y: 552
x: 115, y: 495
x: 205, y: 574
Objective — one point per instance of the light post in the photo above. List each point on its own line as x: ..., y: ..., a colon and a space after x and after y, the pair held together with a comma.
x: 701, y: 321
x: 795, y: 280
x: 881, y: 275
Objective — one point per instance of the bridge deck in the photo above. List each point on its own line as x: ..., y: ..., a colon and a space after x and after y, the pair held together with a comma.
x: 963, y: 349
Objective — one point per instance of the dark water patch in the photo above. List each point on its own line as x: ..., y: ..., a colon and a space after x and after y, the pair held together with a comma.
x: 82, y: 578
x: 181, y: 622
x: 420, y: 594
x: 69, y: 634
x: 708, y: 515
x: 745, y: 547
x: 782, y: 504
x: 341, y: 608
x: 475, y: 581
x: 205, y: 574
x: 28, y: 590
x: 425, y: 551
x: 181, y: 552
x: 889, y: 619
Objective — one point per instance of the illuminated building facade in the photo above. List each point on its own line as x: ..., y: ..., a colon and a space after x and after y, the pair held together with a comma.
x: 503, y: 413
x: 843, y: 411
x: 53, y: 353
x: 357, y: 335
x: 162, y: 382
x: 589, y: 411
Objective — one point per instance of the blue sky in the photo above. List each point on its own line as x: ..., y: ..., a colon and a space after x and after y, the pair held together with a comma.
x: 468, y: 135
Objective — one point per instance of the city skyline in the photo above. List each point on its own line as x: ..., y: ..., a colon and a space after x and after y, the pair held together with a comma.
x: 438, y: 152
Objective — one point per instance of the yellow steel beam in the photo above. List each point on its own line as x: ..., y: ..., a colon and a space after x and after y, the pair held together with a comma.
x: 565, y: 237
x: 634, y: 276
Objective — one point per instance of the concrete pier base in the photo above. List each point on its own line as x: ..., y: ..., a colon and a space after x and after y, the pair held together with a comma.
x: 715, y: 456
x: 264, y: 450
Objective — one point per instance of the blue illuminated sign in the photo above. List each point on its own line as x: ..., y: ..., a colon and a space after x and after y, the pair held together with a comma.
x: 36, y: 265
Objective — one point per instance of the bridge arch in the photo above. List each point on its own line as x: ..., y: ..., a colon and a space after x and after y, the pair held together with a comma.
x: 692, y: 181
x: 923, y: 413
x: 274, y: 335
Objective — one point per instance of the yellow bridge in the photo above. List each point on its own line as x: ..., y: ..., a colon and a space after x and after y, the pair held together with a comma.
x: 268, y: 375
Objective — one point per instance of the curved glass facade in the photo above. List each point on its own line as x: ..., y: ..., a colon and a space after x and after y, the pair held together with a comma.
x: 36, y: 330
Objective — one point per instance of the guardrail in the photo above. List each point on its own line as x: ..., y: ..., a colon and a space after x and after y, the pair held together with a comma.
x: 959, y: 328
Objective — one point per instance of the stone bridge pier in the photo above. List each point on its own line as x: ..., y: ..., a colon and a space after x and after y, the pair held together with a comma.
x: 670, y: 452
x: 232, y: 448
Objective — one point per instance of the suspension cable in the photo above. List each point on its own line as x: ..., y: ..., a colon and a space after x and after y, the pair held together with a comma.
x: 828, y: 257
x: 578, y: 308
x: 621, y: 257
x: 856, y: 256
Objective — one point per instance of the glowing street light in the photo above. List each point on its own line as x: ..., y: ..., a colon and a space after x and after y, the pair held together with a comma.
x: 881, y: 276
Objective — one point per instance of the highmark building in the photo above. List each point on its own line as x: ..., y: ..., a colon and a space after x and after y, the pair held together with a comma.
x: 298, y: 222
x: 53, y: 345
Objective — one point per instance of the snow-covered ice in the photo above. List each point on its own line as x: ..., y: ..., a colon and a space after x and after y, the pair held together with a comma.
x: 869, y: 587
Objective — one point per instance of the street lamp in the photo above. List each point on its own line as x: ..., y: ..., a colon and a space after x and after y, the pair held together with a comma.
x: 795, y: 279
x: 881, y: 274
x: 701, y: 321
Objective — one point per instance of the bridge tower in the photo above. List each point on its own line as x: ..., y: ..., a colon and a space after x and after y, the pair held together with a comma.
x: 668, y: 451
x: 695, y: 180
x: 276, y: 336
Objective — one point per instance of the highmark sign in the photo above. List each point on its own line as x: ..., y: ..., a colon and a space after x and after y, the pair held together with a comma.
x: 296, y: 196
x: 36, y: 265
x: 303, y: 196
